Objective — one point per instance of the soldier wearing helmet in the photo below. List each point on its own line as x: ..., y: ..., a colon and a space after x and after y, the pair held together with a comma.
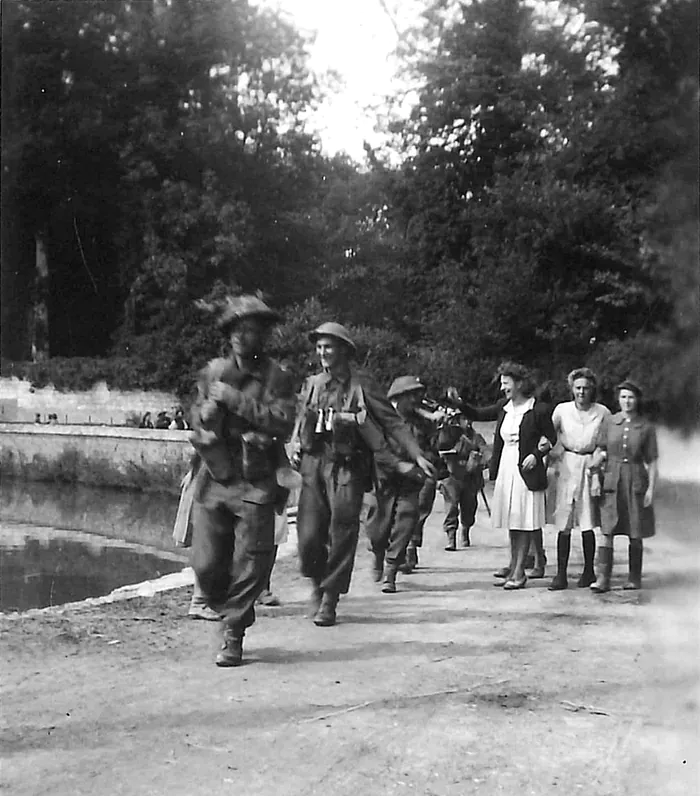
x: 243, y: 414
x: 392, y: 522
x: 344, y: 421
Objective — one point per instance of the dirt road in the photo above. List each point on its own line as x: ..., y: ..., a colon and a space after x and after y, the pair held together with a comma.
x: 449, y: 687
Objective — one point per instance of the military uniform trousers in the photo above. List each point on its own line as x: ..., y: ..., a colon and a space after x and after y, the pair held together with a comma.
x: 232, y: 551
x: 460, y: 502
x: 328, y: 521
x: 392, y: 522
x: 426, y: 500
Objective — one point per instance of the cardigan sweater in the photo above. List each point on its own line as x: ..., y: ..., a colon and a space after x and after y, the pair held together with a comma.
x: 536, y: 423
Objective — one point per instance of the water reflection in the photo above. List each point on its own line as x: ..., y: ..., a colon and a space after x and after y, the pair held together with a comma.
x: 141, y: 517
x: 46, y: 566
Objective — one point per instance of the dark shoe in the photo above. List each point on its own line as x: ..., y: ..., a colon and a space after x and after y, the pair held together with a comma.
x: 529, y: 561
x: 389, y: 583
x: 537, y: 573
x: 588, y: 575
x: 231, y: 652
x: 634, y: 581
x: 451, y: 540
x: 559, y: 583
x: 605, y: 565
x: 466, y: 541
x: 512, y: 585
x: 203, y: 612
x: 268, y: 598
x: 325, y: 616
x: 502, y: 573
x: 450, y: 547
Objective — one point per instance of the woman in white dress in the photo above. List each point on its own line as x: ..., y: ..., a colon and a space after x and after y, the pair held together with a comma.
x: 577, y: 424
x: 523, y: 437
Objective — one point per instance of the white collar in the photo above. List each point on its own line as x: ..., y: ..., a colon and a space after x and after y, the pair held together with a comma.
x: 522, y: 408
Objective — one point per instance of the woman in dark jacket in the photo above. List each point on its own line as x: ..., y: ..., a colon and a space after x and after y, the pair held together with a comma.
x: 524, y: 435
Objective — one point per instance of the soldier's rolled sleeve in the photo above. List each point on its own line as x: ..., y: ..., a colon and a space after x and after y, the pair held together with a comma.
x: 207, y: 375
x: 386, y: 417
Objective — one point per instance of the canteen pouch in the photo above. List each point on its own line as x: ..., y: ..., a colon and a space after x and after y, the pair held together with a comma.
x: 256, y: 457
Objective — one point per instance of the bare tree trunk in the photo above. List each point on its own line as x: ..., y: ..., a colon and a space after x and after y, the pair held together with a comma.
x: 40, y: 314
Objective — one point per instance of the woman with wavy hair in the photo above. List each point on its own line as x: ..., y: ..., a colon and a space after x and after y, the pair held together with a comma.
x: 523, y: 437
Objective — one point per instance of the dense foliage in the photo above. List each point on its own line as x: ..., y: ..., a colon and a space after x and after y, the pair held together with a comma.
x: 538, y: 203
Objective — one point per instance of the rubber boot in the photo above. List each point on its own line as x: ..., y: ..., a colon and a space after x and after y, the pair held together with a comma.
x: 389, y: 581
x: 451, y: 545
x: 605, y: 565
x: 377, y: 566
x: 325, y: 616
x: 587, y: 576
x: 559, y: 581
x: 634, y: 580
x: 231, y: 652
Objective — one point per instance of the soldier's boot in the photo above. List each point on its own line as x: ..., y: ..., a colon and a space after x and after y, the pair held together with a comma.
x: 231, y: 652
x: 268, y: 598
x: 587, y: 576
x: 529, y: 561
x: 605, y: 565
x: 559, y: 581
x: 389, y: 581
x: 199, y: 610
x: 634, y: 580
x: 451, y: 540
x: 411, y: 561
x: 377, y: 565
x: 315, y: 600
x: 466, y: 541
x: 326, y: 616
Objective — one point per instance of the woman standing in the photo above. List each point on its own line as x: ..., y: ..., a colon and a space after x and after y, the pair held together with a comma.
x: 524, y: 435
x: 577, y: 424
x: 628, y: 442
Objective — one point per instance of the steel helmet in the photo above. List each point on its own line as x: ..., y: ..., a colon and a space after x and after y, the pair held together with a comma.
x: 331, y: 329
x: 403, y: 385
x: 246, y: 306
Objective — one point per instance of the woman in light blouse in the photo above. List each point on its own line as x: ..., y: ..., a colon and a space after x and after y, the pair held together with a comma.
x: 577, y: 424
x: 628, y: 442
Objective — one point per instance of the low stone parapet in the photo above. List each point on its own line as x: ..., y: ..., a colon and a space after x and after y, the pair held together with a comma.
x: 131, y: 458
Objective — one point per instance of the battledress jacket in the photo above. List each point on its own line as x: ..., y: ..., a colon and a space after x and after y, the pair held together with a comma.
x: 263, y: 411
x: 377, y: 421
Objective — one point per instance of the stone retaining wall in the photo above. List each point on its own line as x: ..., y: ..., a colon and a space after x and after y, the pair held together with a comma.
x: 143, y: 459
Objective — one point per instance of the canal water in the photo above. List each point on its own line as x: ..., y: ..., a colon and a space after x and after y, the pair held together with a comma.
x: 64, y: 542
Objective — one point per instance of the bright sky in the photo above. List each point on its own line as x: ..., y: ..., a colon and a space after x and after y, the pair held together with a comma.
x: 354, y: 38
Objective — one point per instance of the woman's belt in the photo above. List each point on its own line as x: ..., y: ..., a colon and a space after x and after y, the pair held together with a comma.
x: 579, y: 453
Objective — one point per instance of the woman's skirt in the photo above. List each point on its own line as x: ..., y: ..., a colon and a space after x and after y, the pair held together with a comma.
x: 624, y: 513
x: 515, y: 507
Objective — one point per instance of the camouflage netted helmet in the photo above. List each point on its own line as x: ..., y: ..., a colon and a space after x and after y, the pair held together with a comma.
x: 405, y: 384
x: 332, y: 329
x: 246, y: 306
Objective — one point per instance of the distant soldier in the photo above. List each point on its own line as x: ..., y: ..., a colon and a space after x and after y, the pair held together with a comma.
x: 243, y: 414
x: 343, y: 421
x: 463, y: 451
x: 392, y: 522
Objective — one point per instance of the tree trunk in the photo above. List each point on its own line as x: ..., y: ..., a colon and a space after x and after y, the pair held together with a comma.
x: 40, y: 314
